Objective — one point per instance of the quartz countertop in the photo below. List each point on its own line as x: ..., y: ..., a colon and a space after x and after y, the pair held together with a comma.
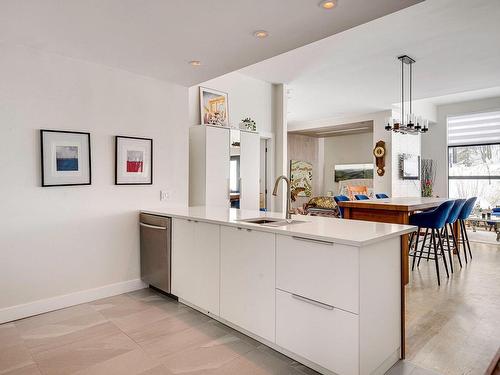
x: 343, y: 231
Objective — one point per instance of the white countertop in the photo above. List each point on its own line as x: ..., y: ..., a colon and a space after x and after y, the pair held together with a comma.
x: 348, y: 232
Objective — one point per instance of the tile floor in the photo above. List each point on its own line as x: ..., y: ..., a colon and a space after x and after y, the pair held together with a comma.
x: 452, y: 330
x: 455, y: 328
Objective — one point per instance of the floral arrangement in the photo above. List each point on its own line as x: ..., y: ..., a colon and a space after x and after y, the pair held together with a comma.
x: 215, y: 118
x: 249, y: 124
x: 428, y: 177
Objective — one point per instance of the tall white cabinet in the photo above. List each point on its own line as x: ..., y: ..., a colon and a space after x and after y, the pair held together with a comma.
x: 209, y: 167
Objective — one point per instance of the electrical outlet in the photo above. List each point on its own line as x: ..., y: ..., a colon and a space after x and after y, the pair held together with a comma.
x: 163, y: 195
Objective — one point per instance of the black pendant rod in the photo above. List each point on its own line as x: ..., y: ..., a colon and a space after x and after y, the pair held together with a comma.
x: 402, y: 92
x: 411, y: 85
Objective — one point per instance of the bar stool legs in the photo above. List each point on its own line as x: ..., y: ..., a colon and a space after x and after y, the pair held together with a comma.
x: 466, y: 236
x: 423, y: 245
x: 416, y: 247
x: 455, y: 243
x: 436, y: 246
x: 436, y: 256
x: 444, y: 232
x: 440, y: 242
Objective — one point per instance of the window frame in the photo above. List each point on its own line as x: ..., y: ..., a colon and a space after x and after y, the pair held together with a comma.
x: 468, y: 177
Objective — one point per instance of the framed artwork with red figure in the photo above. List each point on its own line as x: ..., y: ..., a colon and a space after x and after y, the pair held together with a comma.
x: 133, y: 161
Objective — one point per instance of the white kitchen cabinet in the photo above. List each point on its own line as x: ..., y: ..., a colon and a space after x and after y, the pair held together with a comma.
x: 208, y: 166
x: 249, y: 170
x: 327, y: 272
x: 321, y: 333
x: 247, y: 284
x: 195, y: 263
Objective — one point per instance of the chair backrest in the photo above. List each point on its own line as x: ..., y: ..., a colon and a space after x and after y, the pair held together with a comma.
x: 353, y: 190
x: 467, y: 208
x: 341, y: 198
x: 361, y: 197
x: 455, y: 211
x: 381, y: 196
x: 440, y: 214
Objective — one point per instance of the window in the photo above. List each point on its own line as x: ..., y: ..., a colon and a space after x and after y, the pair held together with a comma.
x: 474, y: 158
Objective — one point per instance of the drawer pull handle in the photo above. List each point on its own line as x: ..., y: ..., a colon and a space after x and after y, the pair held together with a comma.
x: 152, y: 226
x: 312, y: 302
x: 312, y: 240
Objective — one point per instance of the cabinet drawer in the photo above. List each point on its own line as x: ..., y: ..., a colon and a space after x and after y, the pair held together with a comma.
x: 324, y: 335
x: 322, y: 271
x: 247, y: 284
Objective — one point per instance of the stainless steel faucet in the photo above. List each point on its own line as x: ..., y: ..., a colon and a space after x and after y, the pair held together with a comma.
x: 288, y: 212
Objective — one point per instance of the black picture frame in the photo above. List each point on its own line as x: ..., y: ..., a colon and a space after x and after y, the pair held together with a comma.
x: 117, y: 138
x: 42, y: 157
x: 402, y: 158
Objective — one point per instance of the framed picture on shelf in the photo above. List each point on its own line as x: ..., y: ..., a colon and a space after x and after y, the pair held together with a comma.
x: 133, y: 161
x: 65, y: 158
x: 213, y: 107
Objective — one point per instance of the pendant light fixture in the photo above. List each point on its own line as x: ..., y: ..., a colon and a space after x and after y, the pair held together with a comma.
x: 409, y: 123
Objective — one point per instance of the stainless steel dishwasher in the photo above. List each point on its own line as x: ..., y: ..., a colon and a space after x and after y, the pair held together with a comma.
x: 156, y: 250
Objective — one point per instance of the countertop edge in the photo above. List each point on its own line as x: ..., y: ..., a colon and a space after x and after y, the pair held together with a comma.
x: 279, y: 230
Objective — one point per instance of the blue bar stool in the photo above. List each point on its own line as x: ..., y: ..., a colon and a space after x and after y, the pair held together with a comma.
x: 381, y: 196
x: 361, y: 197
x: 340, y: 198
x: 435, y: 221
x: 452, y: 218
x: 462, y: 216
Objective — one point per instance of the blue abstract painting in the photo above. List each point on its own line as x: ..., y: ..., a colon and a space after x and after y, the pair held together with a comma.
x: 67, y: 158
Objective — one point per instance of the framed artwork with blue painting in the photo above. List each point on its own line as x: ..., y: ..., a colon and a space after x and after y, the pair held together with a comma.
x: 65, y: 158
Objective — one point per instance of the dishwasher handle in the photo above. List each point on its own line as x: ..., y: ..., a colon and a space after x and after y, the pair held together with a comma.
x: 152, y: 226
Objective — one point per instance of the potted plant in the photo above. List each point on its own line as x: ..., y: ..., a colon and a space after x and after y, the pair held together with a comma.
x: 428, y: 177
x: 248, y: 124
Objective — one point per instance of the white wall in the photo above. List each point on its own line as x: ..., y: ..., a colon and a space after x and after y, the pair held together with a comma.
x: 61, y: 240
x: 247, y: 97
x: 345, y: 149
x: 434, y: 144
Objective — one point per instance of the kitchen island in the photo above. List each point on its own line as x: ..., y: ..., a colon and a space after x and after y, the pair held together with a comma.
x: 323, y: 291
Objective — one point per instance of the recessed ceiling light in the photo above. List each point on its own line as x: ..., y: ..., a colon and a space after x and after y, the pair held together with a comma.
x: 261, y: 34
x: 328, y: 4
x: 195, y: 63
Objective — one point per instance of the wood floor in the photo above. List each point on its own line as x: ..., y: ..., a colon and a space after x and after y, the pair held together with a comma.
x: 455, y: 328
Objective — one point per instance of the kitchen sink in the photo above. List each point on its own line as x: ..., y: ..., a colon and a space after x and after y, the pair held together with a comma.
x: 271, y: 222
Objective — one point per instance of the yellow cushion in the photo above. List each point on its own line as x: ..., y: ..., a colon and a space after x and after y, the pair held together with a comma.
x: 322, y: 202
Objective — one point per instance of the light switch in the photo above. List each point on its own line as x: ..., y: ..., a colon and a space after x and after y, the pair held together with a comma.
x: 163, y: 195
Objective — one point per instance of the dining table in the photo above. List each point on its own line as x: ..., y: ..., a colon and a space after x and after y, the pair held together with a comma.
x: 395, y: 210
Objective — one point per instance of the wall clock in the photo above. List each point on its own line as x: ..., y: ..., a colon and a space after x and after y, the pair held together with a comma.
x: 379, y: 153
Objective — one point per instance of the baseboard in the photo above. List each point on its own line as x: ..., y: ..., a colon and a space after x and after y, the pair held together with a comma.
x: 8, y: 314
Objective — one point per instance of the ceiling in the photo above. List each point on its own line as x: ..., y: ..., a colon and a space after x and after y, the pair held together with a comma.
x: 455, y: 44
x: 158, y: 38
x: 338, y: 130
